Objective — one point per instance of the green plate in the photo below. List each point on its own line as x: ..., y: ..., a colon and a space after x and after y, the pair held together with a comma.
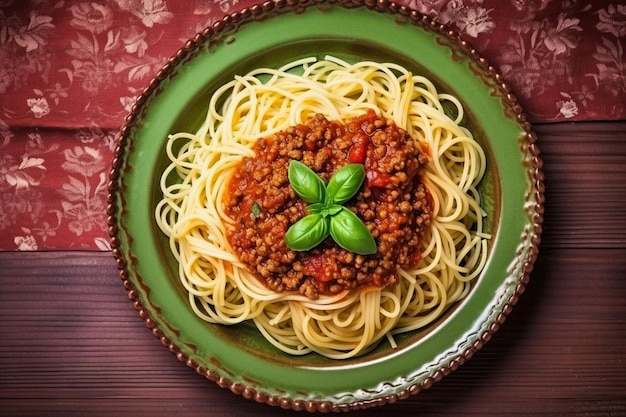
x: 238, y: 357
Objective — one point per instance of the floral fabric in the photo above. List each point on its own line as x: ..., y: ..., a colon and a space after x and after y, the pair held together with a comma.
x: 70, y: 70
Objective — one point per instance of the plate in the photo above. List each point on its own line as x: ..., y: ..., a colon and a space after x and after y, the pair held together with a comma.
x: 238, y: 357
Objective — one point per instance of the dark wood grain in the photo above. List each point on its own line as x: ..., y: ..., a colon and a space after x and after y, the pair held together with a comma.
x: 72, y: 345
x: 585, y: 169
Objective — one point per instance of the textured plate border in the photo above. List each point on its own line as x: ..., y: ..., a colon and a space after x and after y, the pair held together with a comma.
x: 521, y: 269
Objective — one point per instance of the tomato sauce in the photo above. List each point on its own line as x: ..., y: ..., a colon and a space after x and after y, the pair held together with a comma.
x: 393, y: 203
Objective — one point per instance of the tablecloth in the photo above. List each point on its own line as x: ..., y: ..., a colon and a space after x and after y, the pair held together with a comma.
x: 70, y: 72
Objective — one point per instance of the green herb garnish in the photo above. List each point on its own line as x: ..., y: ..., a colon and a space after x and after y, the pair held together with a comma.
x: 256, y: 210
x: 327, y: 214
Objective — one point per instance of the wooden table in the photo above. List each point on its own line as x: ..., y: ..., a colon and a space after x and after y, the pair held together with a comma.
x: 72, y: 345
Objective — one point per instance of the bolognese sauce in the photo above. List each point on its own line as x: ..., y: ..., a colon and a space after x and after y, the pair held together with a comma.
x: 393, y: 203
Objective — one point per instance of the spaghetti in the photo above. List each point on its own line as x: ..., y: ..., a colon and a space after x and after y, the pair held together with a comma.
x: 264, y: 102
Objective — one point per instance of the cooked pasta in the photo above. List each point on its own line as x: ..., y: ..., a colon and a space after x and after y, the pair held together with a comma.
x: 266, y: 101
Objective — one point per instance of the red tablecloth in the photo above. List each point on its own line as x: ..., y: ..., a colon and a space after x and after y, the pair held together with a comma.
x: 69, y: 72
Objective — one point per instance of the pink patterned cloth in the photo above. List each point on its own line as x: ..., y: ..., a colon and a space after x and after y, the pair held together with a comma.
x: 69, y: 72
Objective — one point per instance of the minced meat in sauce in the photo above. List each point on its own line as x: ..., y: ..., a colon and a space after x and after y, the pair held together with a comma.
x: 393, y: 203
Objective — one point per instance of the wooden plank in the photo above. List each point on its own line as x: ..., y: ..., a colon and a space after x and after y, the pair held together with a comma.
x: 585, y: 170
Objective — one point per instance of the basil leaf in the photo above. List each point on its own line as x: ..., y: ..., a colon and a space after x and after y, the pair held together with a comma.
x: 351, y: 234
x: 306, y: 183
x: 345, y: 183
x: 307, y: 233
x: 332, y: 210
x: 316, y: 208
x: 326, y: 213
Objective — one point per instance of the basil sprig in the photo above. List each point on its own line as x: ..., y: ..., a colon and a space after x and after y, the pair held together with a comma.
x: 327, y: 214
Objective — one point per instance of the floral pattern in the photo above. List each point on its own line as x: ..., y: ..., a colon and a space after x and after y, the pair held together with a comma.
x: 70, y: 70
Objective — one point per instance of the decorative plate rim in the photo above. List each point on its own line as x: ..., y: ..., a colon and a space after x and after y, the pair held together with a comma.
x: 525, y: 257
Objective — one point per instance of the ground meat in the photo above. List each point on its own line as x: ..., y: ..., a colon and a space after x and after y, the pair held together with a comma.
x: 393, y: 203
